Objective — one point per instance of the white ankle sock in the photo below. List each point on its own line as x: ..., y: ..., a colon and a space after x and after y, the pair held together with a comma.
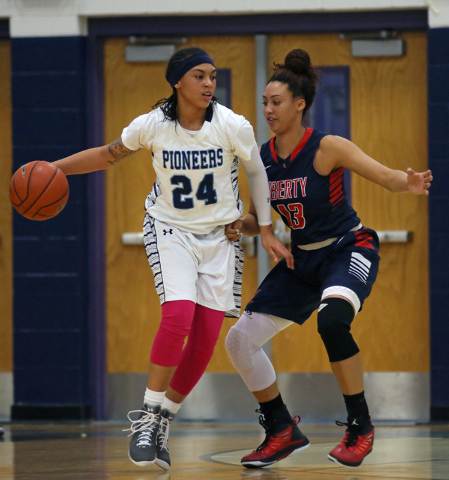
x: 153, y: 398
x: 172, y: 407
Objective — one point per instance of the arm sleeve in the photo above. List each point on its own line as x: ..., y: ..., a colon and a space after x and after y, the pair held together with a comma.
x: 140, y: 132
x: 258, y: 185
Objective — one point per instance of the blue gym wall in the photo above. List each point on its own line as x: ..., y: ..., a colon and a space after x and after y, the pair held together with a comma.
x: 50, y: 266
x: 438, y: 78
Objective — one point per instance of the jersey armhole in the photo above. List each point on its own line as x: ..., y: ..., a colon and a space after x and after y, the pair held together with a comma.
x: 314, y: 159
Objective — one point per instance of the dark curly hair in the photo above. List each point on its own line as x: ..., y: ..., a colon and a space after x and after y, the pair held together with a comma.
x: 299, y: 75
x: 170, y: 105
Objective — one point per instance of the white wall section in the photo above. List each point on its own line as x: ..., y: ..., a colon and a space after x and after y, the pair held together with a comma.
x: 68, y: 17
x: 438, y: 13
x: 47, y: 26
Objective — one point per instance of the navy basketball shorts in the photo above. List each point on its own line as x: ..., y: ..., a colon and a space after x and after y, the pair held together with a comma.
x: 348, y: 267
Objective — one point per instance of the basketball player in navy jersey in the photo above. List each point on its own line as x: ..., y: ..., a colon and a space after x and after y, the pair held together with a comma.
x: 335, y: 263
x: 196, y: 145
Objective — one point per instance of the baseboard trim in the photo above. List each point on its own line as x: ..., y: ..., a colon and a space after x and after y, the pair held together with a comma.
x: 6, y: 394
x: 50, y: 412
x: 316, y: 397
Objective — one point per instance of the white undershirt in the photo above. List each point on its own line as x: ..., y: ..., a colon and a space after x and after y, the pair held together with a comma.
x: 191, y: 133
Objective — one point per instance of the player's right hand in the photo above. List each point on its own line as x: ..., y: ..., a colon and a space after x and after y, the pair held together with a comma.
x: 233, y: 230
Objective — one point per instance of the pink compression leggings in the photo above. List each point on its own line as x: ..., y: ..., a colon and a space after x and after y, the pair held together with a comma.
x: 202, y: 325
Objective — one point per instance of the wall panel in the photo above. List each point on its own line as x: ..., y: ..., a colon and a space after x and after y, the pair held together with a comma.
x: 438, y: 58
x: 6, y: 359
x: 45, y: 275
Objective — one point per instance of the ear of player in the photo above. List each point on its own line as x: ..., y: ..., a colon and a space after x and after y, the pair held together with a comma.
x: 39, y: 190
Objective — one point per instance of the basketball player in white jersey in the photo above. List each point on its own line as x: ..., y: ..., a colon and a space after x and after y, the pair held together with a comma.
x: 196, y: 145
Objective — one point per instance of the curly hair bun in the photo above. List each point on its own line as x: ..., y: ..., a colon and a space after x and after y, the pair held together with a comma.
x: 299, y: 75
x: 298, y: 62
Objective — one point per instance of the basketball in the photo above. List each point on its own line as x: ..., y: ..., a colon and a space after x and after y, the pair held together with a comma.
x: 39, y: 190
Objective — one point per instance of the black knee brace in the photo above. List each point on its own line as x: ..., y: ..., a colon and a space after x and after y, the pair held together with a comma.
x: 335, y: 316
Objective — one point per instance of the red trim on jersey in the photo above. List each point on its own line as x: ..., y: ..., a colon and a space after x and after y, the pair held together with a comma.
x: 336, y: 188
x: 301, y: 144
x: 336, y: 175
x: 296, y: 150
x: 336, y: 194
x: 335, y: 184
x: 273, y: 151
x: 364, y: 239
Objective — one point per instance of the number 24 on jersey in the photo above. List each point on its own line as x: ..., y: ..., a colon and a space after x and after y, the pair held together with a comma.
x: 182, y: 197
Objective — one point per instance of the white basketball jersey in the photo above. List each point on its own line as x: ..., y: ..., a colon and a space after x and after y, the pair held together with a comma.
x: 196, y: 188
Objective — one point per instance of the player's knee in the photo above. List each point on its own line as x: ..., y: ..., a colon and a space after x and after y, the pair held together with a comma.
x: 174, y: 335
x: 239, y: 349
x: 177, y: 317
x: 335, y: 316
x: 202, y: 348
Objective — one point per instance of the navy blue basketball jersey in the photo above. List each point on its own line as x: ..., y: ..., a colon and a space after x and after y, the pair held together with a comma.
x: 313, y: 206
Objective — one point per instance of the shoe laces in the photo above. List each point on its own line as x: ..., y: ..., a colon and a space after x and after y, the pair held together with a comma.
x: 263, y: 423
x: 268, y: 427
x: 162, y: 436
x: 352, y: 435
x: 146, y: 425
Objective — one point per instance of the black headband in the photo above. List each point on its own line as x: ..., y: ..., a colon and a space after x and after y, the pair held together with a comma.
x: 187, y: 65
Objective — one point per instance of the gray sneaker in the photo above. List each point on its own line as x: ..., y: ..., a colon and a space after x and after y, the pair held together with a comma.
x: 142, y: 448
x: 163, y: 455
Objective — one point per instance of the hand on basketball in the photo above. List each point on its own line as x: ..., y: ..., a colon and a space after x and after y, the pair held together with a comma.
x: 233, y: 230
x: 273, y: 246
x: 419, y: 183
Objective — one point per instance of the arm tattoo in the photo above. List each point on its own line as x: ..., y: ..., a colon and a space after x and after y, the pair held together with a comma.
x: 118, y: 151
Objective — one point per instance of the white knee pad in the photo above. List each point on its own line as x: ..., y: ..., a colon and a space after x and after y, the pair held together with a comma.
x: 244, y: 342
x: 239, y: 350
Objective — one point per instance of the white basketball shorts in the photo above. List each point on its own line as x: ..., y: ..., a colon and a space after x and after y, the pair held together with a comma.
x: 206, y: 269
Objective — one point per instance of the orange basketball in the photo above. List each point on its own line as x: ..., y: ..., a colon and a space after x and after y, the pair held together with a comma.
x: 39, y: 190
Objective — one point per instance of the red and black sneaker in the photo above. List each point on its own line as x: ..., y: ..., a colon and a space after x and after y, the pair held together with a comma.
x: 357, y: 444
x: 281, y: 441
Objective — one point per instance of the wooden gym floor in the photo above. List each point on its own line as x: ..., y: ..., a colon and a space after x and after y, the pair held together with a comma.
x: 98, y: 451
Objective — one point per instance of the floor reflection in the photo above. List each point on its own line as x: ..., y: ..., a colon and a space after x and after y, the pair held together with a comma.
x: 98, y: 451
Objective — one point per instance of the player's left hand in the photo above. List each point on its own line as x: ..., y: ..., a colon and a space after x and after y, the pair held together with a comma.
x: 233, y: 230
x: 419, y: 183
